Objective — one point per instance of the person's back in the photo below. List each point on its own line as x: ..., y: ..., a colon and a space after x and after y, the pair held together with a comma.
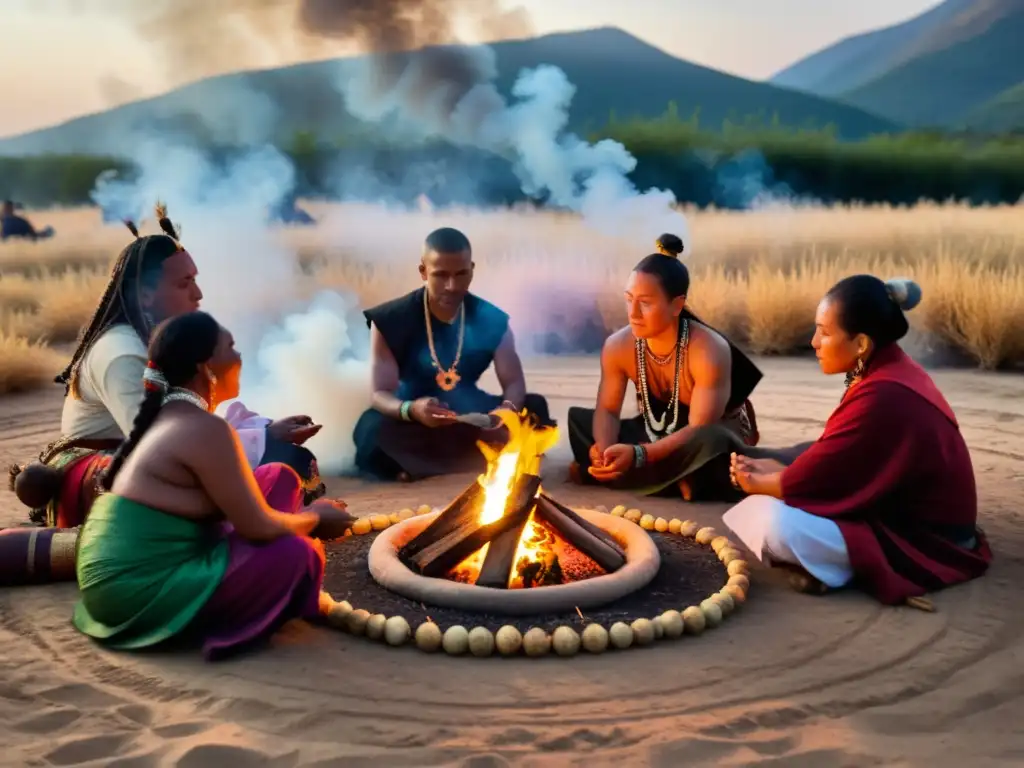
x: 187, y: 541
x: 158, y: 472
x: 937, y: 487
x: 13, y: 225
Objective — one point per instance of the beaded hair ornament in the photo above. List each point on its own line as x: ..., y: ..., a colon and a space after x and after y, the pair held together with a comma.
x: 153, y: 379
x: 119, y: 303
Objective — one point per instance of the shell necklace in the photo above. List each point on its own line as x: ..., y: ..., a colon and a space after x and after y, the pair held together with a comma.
x: 446, y: 378
x: 657, y: 428
x: 186, y: 396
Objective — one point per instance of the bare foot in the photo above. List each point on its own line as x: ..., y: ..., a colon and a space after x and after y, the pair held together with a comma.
x: 806, y: 584
x: 686, y: 489
x: 756, y: 466
x: 799, y: 579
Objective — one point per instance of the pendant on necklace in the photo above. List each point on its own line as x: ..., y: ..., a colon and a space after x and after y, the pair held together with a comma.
x: 447, y: 380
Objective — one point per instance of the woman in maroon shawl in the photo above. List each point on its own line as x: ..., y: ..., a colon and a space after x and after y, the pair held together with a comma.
x: 885, y: 499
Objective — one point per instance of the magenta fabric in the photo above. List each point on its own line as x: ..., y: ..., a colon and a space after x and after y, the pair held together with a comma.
x: 266, y: 584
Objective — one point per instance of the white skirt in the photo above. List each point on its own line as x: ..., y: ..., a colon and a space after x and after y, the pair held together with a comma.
x: 772, y: 529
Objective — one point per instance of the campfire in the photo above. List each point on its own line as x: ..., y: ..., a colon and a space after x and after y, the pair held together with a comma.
x: 504, y: 532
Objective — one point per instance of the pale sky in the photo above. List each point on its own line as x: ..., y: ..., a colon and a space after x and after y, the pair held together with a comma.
x: 57, y: 66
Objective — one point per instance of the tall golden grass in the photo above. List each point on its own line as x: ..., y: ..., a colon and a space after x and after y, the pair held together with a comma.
x: 757, y: 276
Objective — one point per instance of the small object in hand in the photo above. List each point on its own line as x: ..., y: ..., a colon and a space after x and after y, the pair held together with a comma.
x: 480, y: 420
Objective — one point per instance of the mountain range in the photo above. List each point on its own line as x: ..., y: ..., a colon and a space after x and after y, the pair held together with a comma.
x: 614, y: 73
x: 959, y: 65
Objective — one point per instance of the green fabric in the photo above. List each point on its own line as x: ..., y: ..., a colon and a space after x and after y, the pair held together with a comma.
x: 144, y: 574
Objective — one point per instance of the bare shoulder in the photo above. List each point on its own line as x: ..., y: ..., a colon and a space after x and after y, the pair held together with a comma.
x: 708, y: 348
x: 203, y: 431
x: 619, y: 346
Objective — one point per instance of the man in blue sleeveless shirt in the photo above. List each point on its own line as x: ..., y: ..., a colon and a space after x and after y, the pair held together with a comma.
x: 428, y: 350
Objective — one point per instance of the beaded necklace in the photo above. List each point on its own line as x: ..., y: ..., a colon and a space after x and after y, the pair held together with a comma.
x: 447, y: 378
x: 657, y: 428
x: 186, y: 396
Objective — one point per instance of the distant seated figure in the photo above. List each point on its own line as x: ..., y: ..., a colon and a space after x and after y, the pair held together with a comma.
x: 288, y: 212
x: 13, y: 225
x: 428, y: 350
x: 885, y: 499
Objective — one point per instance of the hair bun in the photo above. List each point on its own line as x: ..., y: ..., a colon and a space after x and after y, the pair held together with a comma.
x: 904, y: 291
x: 669, y: 245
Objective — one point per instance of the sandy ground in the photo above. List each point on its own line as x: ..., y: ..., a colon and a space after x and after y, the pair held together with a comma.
x: 790, y: 680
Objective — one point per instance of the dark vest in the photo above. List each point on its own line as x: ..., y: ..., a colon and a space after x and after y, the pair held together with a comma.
x: 402, y: 324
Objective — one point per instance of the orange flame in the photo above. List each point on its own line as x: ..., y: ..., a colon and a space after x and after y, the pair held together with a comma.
x: 520, y: 455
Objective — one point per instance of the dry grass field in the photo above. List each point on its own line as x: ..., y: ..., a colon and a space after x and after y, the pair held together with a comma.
x: 794, y: 680
x: 757, y: 276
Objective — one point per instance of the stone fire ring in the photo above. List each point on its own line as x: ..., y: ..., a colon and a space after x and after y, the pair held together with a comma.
x: 536, y: 642
x: 642, y: 563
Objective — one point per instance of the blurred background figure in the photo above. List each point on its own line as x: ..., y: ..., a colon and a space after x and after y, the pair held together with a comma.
x: 287, y: 211
x: 13, y: 225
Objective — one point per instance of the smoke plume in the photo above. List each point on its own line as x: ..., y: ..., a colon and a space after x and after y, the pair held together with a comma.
x: 310, y: 358
x: 449, y: 91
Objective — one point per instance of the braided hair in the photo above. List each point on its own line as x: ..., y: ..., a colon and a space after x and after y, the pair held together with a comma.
x: 139, y: 265
x: 178, y: 347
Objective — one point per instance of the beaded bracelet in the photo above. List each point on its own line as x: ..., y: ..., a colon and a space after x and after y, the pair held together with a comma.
x: 639, y: 456
x: 403, y: 410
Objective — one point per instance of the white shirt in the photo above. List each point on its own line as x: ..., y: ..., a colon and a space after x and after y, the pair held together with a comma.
x: 110, y: 392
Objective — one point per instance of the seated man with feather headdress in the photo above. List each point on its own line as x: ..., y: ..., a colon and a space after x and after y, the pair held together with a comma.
x: 153, y: 279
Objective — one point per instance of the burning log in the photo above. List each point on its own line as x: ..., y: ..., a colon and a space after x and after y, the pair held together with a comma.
x: 523, y: 530
x: 609, y: 556
x: 588, y: 526
x: 500, y: 555
x: 442, y: 554
x: 464, y: 508
x: 498, y: 563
